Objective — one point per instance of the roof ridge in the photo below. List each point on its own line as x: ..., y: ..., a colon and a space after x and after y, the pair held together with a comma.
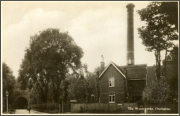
x: 116, y: 67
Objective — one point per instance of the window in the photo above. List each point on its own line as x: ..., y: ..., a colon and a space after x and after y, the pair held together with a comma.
x: 111, y: 82
x: 112, y: 98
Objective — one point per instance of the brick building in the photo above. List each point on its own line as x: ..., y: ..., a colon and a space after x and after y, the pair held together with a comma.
x: 119, y: 84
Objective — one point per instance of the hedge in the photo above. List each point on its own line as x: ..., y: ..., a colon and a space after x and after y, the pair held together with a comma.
x: 49, y: 107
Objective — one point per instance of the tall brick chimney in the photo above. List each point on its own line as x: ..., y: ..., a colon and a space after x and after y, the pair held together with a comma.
x: 130, y: 34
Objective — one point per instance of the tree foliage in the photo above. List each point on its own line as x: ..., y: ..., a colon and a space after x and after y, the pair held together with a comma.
x: 77, y: 89
x: 160, y: 30
x: 8, y: 82
x: 162, y: 90
x: 82, y: 86
x: 169, y: 10
x: 50, y: 56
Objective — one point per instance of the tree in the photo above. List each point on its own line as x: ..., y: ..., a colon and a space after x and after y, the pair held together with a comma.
x: 160, y: 30
x: 8, y: 83
x: 168, y: 9
x: 50, y: 56
x: 171, y: 10
x: 78, y: 85
x: 82, y: 85
x: 77, y: 89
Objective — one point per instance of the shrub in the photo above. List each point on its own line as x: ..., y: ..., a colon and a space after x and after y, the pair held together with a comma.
x: 157, y: 92
x: 49, y: 107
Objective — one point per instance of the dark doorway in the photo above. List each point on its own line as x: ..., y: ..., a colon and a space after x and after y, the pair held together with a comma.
x: 21, y: 103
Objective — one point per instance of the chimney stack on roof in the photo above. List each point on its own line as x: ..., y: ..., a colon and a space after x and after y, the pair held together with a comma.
x: 102, y: 63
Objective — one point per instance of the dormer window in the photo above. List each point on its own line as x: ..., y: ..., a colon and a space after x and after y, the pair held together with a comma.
x: 111, y: 82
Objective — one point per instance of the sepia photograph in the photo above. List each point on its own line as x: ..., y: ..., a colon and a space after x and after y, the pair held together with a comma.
x: 89, y: 57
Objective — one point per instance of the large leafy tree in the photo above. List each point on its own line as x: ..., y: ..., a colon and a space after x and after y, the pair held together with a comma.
x: 8, y: 83
x: 50, y: 56
x: 160, y: 30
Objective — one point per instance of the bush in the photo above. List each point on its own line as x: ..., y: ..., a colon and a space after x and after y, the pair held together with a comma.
x: 49, y: 107
x: 157, y: 92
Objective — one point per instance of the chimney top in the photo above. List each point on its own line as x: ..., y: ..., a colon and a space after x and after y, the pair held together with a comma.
x: 102, y: 64
x: 130, y: 5
x: 102, y: 58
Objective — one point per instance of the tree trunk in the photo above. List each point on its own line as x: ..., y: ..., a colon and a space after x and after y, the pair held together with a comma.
x: 165, y: 64
x: 158, y: 64
x: 156, y: 56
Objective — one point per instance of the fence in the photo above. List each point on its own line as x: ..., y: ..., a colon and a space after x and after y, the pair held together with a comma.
x: 161, y: 108
x: 50, y: 107
x: 103, y: 108
x: 132, y: 108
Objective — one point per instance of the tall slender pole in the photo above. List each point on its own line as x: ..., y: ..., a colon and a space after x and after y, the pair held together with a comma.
x: 7, y: 93
x: 7, y: 103
x: 62, y: 107
x: 29, y: 100
x: 59, y: 107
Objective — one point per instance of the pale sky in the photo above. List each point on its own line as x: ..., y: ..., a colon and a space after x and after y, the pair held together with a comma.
x: 99, y: 28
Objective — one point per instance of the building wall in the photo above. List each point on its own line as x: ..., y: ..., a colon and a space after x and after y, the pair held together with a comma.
x: 172, y: 64
x: 119, y: 90
x: 136, y: 72
x: 136, y: 87
x: 136, y: 75
x: 151, y: 74
x: 171, y: 69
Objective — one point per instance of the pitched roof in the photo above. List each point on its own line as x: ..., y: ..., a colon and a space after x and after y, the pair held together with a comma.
x: 122, y: 69
x: 115, y: 66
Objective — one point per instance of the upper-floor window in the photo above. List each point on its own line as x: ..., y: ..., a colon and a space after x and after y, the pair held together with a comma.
x: 111, y: 82
x: 112, y: 98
